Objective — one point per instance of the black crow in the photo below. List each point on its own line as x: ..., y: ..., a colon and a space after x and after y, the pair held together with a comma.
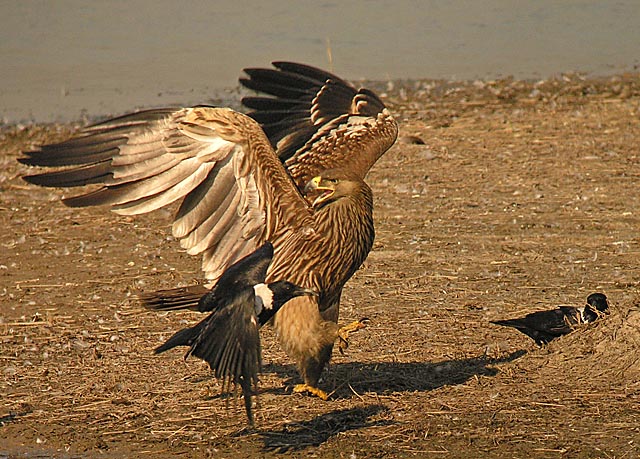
x: 228, y: 339
x: 544, y: 326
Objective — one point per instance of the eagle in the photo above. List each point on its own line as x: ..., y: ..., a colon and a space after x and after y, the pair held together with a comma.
x: 228, y: 339
x: 291, y: 172
x: 545, y: 326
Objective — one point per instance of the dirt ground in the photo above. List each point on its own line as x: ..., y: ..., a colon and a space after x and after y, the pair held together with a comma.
x: 524, y: 196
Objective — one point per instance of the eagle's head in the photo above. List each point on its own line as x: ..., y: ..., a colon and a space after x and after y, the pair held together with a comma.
x: 330, y: 186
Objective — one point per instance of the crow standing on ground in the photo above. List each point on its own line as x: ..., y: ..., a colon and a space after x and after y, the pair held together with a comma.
x: 545, y: 326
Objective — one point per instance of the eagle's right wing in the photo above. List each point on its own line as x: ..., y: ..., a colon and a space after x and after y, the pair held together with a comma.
x: 233, y: 191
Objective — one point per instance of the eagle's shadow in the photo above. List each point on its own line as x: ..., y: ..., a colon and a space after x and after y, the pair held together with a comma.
x: 349, y: 380
x: 352, y: 379
x: 295, y: 436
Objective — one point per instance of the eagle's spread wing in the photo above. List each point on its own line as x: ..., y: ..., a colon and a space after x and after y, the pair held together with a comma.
x: 234, y: 192
x: 317, y: 121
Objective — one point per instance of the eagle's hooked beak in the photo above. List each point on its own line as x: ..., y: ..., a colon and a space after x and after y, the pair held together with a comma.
x: 315, y: 184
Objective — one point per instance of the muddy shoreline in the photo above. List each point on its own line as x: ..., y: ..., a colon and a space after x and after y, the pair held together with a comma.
x: 522, y: 197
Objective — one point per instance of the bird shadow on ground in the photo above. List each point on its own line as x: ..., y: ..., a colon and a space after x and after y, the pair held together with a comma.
x: 349, y: 379
x: 299, y: 435
x: 352, y: 379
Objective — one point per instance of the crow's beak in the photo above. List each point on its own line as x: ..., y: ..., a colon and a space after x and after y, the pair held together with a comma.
x: 308, y: 291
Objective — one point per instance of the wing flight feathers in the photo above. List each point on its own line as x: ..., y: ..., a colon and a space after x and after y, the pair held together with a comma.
x: 216, y: 162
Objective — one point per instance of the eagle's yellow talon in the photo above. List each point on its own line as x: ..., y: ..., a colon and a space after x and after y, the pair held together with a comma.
x: 302, y: 388
x: 344, y: 332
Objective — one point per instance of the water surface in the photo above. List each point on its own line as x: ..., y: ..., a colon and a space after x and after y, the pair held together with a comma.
x: 61, y: 60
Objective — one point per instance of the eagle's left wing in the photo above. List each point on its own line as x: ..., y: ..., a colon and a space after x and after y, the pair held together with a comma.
x: 318, y: 121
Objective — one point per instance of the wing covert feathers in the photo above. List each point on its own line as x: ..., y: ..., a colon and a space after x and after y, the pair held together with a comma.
x: 316, y: 120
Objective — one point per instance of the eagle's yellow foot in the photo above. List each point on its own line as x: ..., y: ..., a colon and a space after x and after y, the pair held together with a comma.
x: 344, y: 332
x: 301, y: 388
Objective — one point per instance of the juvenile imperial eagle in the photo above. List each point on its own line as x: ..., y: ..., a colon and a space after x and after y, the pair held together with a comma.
x: 545, y: 326
x: 228, y: 339
x: 291, y: 172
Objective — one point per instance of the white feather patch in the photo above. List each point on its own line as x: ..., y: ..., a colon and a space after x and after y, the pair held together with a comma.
x: 264, y: 297
x: 583, y: 318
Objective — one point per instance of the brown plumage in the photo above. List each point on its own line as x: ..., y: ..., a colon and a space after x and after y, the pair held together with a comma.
x: 292, y: 175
